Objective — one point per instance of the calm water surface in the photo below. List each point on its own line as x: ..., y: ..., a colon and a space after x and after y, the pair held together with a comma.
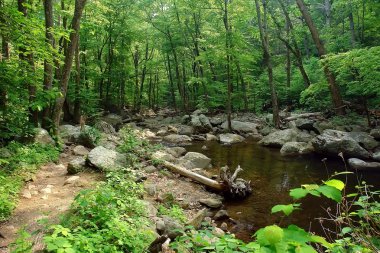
x: 272, y: 176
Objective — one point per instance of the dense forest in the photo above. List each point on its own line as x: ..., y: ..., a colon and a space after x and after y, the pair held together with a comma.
x: 117, y: 118
x: 64, y: 59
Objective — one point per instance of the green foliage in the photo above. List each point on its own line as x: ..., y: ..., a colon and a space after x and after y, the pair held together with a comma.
x: 173, y: 211
x: 122, y: 226
x: 19, y: 167
x: 23, y: 243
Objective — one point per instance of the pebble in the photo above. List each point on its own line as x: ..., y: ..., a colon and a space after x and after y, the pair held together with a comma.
x: 26, y: 194
x: 71, y: 180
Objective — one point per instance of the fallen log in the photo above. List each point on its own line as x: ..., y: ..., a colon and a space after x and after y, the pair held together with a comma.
x: 230, y: 185
x: 215, y: 185
x: 304, y: 115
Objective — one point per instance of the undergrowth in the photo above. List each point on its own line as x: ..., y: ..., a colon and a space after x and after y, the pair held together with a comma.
x: 110, y: 218
x: 18, y: 163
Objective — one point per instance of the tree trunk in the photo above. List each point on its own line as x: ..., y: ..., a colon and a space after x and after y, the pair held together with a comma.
x: 268, y: 60
x: 4, y: 56
x: 68, y: 62
x: 334, y: 89
x: 77, y: 102
x: 48, y: 64
x: 27, y: 57
x: 352, y: 27
x: 228, y: 58
x: 169, y: 70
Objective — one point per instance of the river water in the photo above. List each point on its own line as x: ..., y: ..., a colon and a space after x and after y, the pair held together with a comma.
x: 272, y: 176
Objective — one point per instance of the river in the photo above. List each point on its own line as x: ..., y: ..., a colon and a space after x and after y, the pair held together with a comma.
x: 272, y: 176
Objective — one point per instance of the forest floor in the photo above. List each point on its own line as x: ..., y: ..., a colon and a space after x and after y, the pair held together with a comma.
x: 45, y: 198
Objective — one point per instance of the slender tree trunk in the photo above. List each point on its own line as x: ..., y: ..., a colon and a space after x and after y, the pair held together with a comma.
x: 267, y: 59
x: 4, y: 56
x: 169, y: 70
x: 48, y: 64
x: 334, y: 89
x: 68, y: 62
x: 327, y: 8
x: 77, y: 102
x: 352, y: 27
x: 228, y: 63
x: 136, y: 63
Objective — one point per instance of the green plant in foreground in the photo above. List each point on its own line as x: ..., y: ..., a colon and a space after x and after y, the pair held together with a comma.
x: 23, y: 244
x: 174, y: 211
x: 111, y: 218
x: 359, y: 228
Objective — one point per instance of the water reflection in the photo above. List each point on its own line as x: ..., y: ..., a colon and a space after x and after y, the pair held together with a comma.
x: 272, y: 176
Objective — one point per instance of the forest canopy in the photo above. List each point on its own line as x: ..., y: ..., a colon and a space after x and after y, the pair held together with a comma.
x: 63, y: 59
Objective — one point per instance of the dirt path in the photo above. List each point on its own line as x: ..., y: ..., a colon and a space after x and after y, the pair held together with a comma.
x: 48, y: 196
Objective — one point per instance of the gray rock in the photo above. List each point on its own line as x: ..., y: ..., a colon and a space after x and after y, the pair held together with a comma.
x: 376, y: 155
x: 211, y: 137
x: 163, y: 156
x: 42, y: 136
x: 170, y: 227
x: 71, y: 180
x: 365, y: 140
x: 216, y: 121
x: 77, y: 165
x: 321, y: 126
x: 178, y: 139
x: 305, y: 124
x: 221, y: 214
x: 363, y: 165
x: 106, y: 159
x: 199, y: 111
x: 241, y: 127
x: 196, y: 222
x: 230, y: 138
x: 114, y: 120
x: 186, y: 119
x: 333, y: 142
x: 105, y: 127
x: 218, y: 232
x: 280, y: 137
x: 185, y: 130
x: 375, y: 133
x: 200, y: 123
x: 211, y: 202
x: 266, y: 130
x: 199, y: 160
x: 150, y: 169
x: 176, y: 151
x: 296, y: 148
x: 80, y: 150
x: 149, y: 207
x: 151, y: 189
x: 69, y: 133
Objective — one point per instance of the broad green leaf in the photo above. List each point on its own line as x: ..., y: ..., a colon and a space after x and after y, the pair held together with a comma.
x: 286, y: 209
x: 298, y: 193
x: 331, y: 192
x: 335, y: 183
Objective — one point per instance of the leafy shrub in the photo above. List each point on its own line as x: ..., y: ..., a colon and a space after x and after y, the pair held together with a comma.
x: 110, y: 218
x: 174, y: 211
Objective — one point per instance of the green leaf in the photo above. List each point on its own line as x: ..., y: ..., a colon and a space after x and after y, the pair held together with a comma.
x: 298, y: 193
x: 286, y: 209
x: 346, y: 230
x: 335, y: 183
x: 331, y: 192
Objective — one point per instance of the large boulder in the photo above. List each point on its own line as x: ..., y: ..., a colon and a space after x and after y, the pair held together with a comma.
x: 42, y: 136
x: 365, y: 140
x: 105, y: 127
x: 114, y: 120
x: 176, y: 151
x: 80, y: 150
x: 177, y: 139
x: 241, y: 127
x: 358, y: 164
x: 333, y: 142
x: 376, y: 155
x: 170, y: 227
x: 199, y: 160
x: 279, y: 138
x: 375, y: 133
x: 230, y: 138
x: 296, y: 148
x: 106, y: 159
x: 200, y: 123
x: 305, y: 124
